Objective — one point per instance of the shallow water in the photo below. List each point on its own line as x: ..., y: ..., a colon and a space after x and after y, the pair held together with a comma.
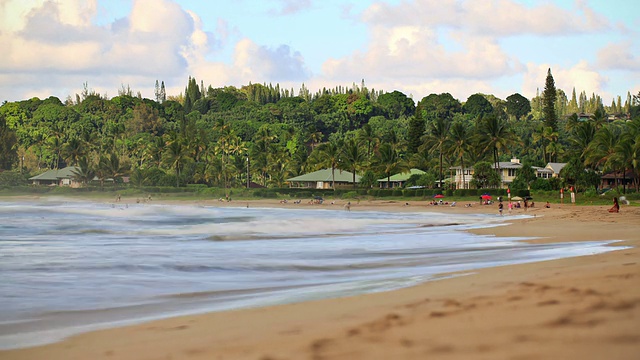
x: 71, y: 266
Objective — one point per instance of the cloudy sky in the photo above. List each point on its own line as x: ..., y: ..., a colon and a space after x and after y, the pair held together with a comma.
x: 418, y: 47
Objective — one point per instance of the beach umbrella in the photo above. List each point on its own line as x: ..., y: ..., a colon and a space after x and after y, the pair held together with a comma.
x: 516, y: 198
x: 486, y: 197
x: 439, y: 196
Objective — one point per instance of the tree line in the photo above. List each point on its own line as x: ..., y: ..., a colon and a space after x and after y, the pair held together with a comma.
x: 219, y: 136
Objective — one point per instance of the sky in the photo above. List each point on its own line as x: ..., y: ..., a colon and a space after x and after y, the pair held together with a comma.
x: 418, y: 47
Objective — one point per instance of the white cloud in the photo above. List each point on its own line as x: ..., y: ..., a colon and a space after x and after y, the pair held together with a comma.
x: 487, y: 17
x: 417, y: 56
x: 456, y: 46
x: 55, y: 45
x: 620, y: 56
x: 580, y: 76
x: 58, y: 42
x: 253, y: 63
x: 290, y: 7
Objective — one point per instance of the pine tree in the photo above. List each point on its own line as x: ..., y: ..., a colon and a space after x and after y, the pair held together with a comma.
x: 549, y: 102
x: 573, y: 104
x: 157, y: 91
x: 163, y: 93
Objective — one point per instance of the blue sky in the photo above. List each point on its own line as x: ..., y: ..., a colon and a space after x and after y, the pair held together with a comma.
x: 418, y: 47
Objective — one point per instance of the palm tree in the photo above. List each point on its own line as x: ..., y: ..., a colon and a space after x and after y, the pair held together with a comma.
x: 353, y: 157
x: 553, y: 147
x: 112, y: 167
x: 601, y: 152
x: 262, y: 141
x: 494, y: 134
x: 73, y: 150
x: 437, y: 140
x: 459, y: 145
x: 389, y: 161
x: 55, y: 145
x: 368, y: 137
x: 84, y: 173
x: 599, y: 118
x: 175, y: 155
x: 314, y: 138
x: 329, y: 156
x: 138, y: 177
x: 581, y: 138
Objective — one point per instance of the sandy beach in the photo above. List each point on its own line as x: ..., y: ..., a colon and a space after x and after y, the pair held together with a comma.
x: 577, y: 308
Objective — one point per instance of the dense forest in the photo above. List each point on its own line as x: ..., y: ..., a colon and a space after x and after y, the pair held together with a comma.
x: 219, y: 136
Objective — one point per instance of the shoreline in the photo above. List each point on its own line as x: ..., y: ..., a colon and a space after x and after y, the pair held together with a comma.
x: 589, y: 299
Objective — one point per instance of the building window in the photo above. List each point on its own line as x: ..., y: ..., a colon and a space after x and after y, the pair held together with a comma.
x: 512, y: 172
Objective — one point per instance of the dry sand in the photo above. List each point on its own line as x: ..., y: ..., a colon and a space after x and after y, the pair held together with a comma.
x: 578, y: 308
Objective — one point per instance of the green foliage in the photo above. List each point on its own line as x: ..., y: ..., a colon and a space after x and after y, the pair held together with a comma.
x: 205, y: 136
x: 484, y: 176
x: 12, y: 178
x: 442, y: 106
x: 8, y: 142
x: 396, y: 104
x: 477, y: 105
x: 518, y: 106
x: 416, y: 131
x: 549, y: 102
x: 524, y: 177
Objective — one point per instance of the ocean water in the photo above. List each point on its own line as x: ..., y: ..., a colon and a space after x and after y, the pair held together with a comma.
x: 71, y: 266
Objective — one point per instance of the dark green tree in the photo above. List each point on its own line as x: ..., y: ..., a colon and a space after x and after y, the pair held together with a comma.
x: 518, y: 106
x: 442, y: 106
x: 396, y: 104
x: 8, y: 148
x: 477, y: 105
x: 524, y: 177
x: 485, y: 176
x: 549, y: 102
x: 416, y: 131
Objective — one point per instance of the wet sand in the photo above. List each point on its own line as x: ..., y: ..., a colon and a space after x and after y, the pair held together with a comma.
x: 578, y: 308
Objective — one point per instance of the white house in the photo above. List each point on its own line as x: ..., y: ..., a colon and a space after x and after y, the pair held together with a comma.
x: 508, y: 172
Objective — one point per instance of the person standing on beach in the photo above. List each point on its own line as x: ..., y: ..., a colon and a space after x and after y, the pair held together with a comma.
x: 500, y: 208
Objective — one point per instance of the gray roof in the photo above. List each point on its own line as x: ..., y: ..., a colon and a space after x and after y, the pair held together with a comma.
x: 556, y: 167
x: 56, y: 174
x: 509, y: 165
x: 325, y: 175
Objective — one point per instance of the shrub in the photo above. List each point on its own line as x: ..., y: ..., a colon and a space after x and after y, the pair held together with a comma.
x: 12, y: 178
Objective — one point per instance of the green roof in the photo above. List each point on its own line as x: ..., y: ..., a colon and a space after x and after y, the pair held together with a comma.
x: 403, y: 176
x: 325, y: 175
x: 55, y: 174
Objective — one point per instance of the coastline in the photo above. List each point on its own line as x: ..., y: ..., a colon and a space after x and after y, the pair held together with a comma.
x: 585, y: 307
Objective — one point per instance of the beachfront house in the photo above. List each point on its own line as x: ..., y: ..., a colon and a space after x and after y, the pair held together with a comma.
x: 398, y: 180
x: 508, y: 172
x: 57, y: 177
x: 618, y: 178
x: 322, y: 179
x: 552, y: 170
